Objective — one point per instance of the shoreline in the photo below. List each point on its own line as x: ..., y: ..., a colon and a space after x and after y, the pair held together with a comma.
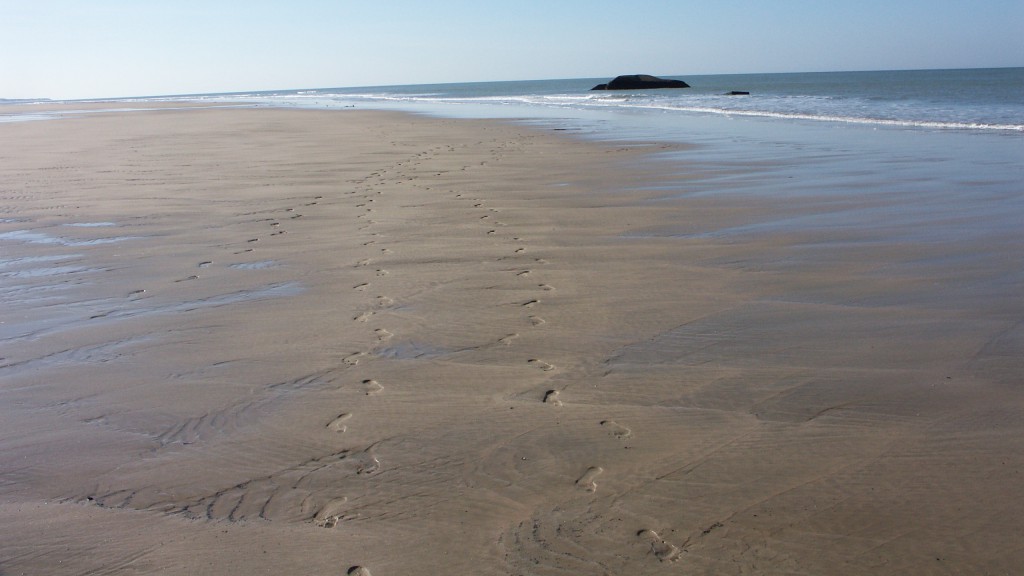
x: 326, y: 339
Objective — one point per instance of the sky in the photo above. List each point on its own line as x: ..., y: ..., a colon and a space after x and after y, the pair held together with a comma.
x: 77, y: 49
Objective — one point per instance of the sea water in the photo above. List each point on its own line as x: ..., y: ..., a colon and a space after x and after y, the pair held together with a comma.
x: 976, y: 99
x: 979, y: 99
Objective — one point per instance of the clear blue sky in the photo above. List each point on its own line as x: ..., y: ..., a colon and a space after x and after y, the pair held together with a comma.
x: 109, y: 48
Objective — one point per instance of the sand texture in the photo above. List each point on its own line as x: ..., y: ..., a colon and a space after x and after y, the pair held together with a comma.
x: 310, y: 342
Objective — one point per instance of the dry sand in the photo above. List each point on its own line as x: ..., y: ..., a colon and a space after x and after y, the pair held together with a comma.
x: 304, y: 342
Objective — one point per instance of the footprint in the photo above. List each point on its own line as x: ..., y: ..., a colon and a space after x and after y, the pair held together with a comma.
x: 362, y: 286
x: 205, y: 264
x: 384, y: 301
x: 192, y: 277
x: 542, y: 365
x: 507, y: 340
x: 661, y: 549
x: 537, y: 320
x: 370, y: 467
x: 524, y: 273
x: 551, y: 397
x: 329, y: 515
x: 383, y: 334
x: 382, y: 272
x: 371, y: 387
x: 546, y: 287
x: 338, y: 424
x: 365, y: 262
x: 353, y: 359
x: 530, y: 303
x: 364, y: 316
x: 616, y: 429
x: 358, y: 571
x: 520, y: 250
x: 586, y: 482
x: 368, y: 463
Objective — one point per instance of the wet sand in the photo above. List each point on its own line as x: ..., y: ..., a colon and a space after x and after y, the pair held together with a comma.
x: 280, y: 341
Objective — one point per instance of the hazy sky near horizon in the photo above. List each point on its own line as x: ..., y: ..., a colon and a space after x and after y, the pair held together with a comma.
x: 65, y: 49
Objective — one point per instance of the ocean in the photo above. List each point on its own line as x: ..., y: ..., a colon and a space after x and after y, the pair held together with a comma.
x: 969, y: 99
x: 976, y: 99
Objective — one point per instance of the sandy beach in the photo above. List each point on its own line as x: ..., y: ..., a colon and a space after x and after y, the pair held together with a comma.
x: 258, y: 341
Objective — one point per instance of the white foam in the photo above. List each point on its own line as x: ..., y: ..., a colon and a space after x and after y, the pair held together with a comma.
x: 810, y: 107
x: 837, y: 118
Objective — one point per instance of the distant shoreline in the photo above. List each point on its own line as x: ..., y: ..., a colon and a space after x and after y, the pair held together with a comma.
x: 584, y: 80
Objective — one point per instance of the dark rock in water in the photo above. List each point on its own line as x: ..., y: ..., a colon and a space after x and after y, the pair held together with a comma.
x: 640, y: 82
x: 737, y: 93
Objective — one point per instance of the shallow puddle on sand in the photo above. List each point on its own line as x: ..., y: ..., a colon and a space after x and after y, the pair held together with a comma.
x: 48, y: 271
x: 23, y: 260
x: 91, y: 224
x: 261, y: 265
x: 412, y: 350
x: 32, y: 237
x: 41, y: 315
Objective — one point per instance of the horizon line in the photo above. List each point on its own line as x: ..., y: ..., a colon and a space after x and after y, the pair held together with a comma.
x: 8, y: 101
